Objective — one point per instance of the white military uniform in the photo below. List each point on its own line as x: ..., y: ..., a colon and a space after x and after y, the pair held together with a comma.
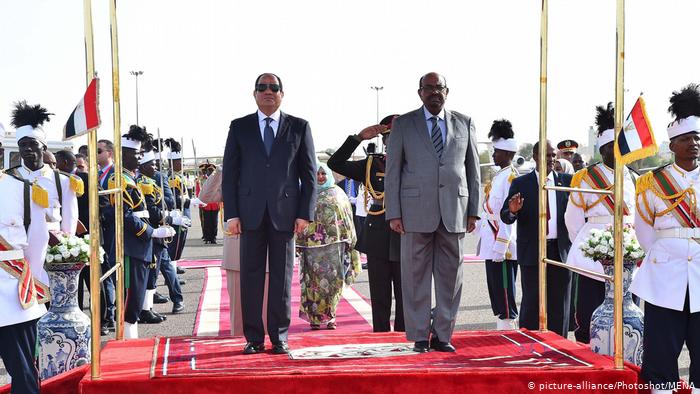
x: 672, y: 262
x: 497, y: 239
x: 13, y: 232
x: 587, y: 211
x: 60, y: 215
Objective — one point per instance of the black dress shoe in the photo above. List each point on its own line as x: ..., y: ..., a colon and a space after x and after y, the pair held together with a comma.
x: 180, y: 271
x: 253, y: 348
x: 442, y: 346
x: 182, y: 281
x: 421, y: 347
x: 148, y: 317
x: 104, y: 330
x: 162, y: 316
x: 178, y: 307
x: 160, y: 299
x: 280, y: 348
x: 110, y: 325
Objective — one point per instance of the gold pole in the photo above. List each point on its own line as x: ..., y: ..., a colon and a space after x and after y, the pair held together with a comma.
x: 542, y: 169
x: 619, y: 183
x: 95, y: 267
x: 118, y: 204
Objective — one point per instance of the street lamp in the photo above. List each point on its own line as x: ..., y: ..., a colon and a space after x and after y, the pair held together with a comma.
x: 136, y: 74
x: 377, y: 88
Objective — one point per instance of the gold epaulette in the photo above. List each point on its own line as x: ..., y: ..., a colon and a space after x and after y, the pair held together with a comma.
x: 77, y: 185
x: 645, y: 182
x: 174, y: 182
x: 40, y: 196
x: 146, y: 189
x: 578, y: 177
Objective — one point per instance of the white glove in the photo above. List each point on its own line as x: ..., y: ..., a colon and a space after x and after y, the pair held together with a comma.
x: 163, y: 232
x: 498, y: 257
x: 181, y: 221
x: 197, y: 202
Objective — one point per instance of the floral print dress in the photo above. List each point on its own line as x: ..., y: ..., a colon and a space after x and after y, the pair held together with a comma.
x: 328, y: 259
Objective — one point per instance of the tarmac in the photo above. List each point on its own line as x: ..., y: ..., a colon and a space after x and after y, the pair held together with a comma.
x: 474, y: 311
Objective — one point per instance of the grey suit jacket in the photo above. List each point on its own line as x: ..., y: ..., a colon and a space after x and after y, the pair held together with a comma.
x: 422, y: 190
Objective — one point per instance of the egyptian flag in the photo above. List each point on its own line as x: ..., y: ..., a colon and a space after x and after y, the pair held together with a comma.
x: 636, y: 141
x: 85, y: 116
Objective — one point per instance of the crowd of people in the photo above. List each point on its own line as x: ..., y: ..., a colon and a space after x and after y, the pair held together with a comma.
x: 407, y: 209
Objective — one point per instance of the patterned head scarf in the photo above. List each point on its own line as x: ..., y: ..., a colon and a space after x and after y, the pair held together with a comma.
x: 329, y: 177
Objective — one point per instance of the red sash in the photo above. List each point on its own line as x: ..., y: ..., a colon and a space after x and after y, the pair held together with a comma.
x: 682, y: 212
x: 597, y: 178
x: 29, y: 289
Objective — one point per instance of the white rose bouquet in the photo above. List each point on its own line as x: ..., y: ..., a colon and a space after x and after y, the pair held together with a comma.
x: 600, y: 245
x: 70, y: 249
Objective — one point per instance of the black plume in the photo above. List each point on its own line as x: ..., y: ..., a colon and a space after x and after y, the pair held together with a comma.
x: 137, y: 133
x: 173, y: 145
x: 147, y: 145
x: 32, y: 115
x: 686, y: 102
x: 501, y: 129
x: 158, y: 145
x: 605, y: 117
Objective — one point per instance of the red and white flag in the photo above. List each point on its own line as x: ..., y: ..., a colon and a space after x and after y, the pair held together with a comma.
x: 636, y: 140
x: 86, y: 115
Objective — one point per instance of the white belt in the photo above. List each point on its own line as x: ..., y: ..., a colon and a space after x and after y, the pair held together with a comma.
x: 607, y: 219
x: 142, y: 214
x: 679, y: 232
x: 14, y: 254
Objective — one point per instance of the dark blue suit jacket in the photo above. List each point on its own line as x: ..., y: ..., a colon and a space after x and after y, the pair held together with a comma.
x: 527, y: 217
x: 283, y: 183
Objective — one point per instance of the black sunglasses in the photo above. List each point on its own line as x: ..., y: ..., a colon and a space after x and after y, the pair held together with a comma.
x: 261, y: 87
x: 99, y: 151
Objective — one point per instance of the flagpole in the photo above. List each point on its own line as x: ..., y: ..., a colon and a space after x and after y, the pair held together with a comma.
x: 94, y: 214
x: 118, y: 204
x: 619, y: 183
x: 542, y: 169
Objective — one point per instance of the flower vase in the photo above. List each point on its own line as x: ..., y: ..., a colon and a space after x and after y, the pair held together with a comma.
x: 602, y: 332
x: 64, y: 331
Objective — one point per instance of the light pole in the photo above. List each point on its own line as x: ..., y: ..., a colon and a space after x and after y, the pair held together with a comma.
x: 136, y: 74
x: 377, y: 88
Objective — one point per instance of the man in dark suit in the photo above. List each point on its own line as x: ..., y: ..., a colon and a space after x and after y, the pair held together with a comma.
x: 269, y: 181
x: 522, y: 205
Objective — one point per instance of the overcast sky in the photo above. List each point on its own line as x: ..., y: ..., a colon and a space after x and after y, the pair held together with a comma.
x: 200, y: 60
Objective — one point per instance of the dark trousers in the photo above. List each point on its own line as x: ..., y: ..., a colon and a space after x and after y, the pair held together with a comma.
x: 210, y: 223
x: 17, y: 349
x: 109, y: 293
x: 178, y: 243
x: 665, y: 330
x: 500, y: 278
x: 382, y: 275
x: 558, y: 295
x: 574, y: 300
x: 591, y: 294
x: 138, y: 278
x: 169, y: 274
x: 255, y: 245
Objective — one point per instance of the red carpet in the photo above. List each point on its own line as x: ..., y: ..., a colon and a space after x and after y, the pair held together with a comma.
x: 485, y: 362
x: 199, y: 263
x: 353, y: 313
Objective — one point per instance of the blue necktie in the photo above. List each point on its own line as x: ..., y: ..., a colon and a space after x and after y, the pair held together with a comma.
x: 436, y: 136
x: 269, y: 136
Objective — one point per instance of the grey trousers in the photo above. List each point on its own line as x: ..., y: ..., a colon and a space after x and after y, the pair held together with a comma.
x: 424, y: 257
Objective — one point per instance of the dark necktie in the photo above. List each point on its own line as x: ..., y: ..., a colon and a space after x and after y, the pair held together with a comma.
x: 269, y: 136
x: 436, y: 136
x: 549, y: 216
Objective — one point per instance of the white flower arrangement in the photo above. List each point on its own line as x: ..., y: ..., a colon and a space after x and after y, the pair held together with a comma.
x: 600, y: 245
x: 70, y: 249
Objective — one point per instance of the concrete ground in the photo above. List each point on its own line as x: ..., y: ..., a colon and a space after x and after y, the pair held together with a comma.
x: 474, y: 312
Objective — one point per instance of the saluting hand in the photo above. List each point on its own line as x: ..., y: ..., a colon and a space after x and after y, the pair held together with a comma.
x: 372, y: 131
x: 515, y: 203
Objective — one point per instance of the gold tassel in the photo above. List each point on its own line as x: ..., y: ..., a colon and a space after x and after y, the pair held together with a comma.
x: 76, y: 184
x: 645, y: 182
x: 40, y: 196
x: 146, y: 189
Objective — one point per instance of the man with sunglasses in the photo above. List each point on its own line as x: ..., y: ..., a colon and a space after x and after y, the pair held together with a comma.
x: 432, y: 200
x: 269, y: 182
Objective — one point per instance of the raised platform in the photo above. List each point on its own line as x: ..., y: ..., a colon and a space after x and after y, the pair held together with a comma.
x: 512, y: 361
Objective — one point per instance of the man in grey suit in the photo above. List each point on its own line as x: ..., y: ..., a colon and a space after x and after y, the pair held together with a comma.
x: 432, y: 199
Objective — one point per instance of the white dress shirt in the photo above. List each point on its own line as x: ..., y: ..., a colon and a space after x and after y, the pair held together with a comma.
x: 552, y: 197
x: 441, y: 123
x: 274, y: 123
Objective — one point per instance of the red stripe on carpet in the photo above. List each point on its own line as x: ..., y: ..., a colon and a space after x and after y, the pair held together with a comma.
x: 199, y: 263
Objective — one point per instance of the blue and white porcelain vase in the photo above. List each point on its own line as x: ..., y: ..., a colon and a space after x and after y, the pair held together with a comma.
x: 602, y: 332
x: 64, y: 331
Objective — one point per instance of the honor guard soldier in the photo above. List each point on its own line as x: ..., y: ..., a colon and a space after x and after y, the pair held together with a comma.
x: 51, y: 190
x: 138, y: 233
x: 158, y: 210
x: 587, y: 211
x: 498, y: 240
x: 567, y: 149
x: 21, y: 294
x: 182, y: 199
x: 668, y: 228
x: 381, y: 245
